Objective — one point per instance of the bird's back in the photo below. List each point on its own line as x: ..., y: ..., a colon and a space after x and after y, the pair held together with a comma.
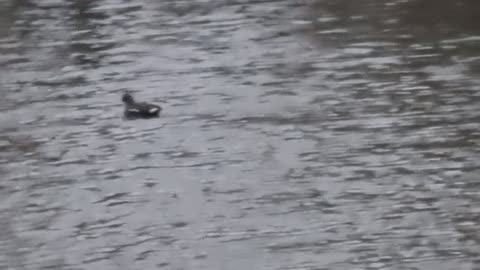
x: 142, y: 109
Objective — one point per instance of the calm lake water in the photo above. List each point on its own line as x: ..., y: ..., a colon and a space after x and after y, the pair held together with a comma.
x: 295, y: 135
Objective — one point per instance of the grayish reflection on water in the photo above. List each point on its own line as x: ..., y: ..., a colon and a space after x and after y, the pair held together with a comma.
x: 295, y: 135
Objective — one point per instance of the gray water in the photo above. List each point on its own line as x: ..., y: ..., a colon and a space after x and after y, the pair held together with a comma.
x: 295, y: 135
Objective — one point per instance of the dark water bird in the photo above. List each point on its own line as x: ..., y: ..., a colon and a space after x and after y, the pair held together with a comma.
x: 139, y: 109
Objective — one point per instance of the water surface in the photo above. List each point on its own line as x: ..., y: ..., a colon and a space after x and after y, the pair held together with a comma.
x: 295, y: 135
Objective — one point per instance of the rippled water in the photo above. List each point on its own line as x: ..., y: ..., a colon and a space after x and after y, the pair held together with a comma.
x: 295, y: 135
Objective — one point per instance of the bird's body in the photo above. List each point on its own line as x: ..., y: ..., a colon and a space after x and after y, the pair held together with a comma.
x: 139, y: 109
